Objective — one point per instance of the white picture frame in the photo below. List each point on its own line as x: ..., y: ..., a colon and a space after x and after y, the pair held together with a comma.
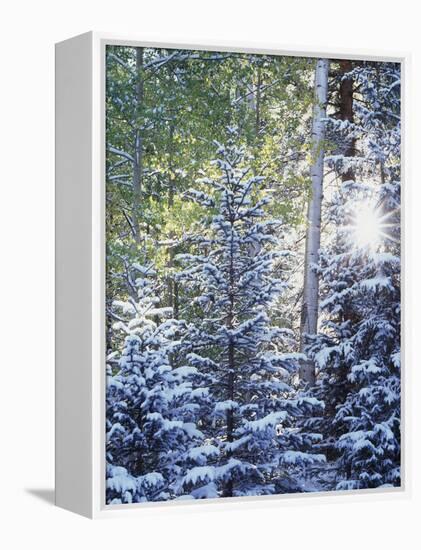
x: 80, y: 276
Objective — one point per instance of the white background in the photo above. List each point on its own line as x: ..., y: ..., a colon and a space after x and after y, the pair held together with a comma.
x: 28, y: 32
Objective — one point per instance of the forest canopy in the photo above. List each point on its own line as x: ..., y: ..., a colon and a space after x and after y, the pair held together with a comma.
x: 253, y: 274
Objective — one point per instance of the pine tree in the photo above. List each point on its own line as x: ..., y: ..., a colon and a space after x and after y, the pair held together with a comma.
x: 358, y: 351
x: 151, y: 403
x: 252, y: 409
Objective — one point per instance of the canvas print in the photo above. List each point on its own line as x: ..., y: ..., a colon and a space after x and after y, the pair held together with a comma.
x: 252, y: 274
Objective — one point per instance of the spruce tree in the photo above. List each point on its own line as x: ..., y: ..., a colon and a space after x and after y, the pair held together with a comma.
x: 358, y: 349
x: 151, y: 403
x: 252, y: 408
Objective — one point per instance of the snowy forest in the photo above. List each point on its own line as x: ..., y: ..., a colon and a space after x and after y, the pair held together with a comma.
x: 253, y: 274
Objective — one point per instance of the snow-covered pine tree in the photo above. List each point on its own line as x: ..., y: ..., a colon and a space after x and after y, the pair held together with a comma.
x: 151, y: 402
x: 358, y: 350
x: 251, y: 412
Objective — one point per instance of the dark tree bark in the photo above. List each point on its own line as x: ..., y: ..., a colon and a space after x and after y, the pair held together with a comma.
x: 346, y: 110
x: 229, y: 488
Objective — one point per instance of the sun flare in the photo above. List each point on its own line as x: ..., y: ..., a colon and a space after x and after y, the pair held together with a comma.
x: 368, y: 227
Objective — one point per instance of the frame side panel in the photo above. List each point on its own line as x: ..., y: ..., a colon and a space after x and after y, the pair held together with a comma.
x: 73, y: 274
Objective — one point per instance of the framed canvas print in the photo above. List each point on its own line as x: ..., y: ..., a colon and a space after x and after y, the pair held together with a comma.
x: 229, y: 271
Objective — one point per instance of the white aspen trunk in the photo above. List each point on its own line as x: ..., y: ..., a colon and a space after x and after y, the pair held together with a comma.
x: 138, y: 147
x: 258, y: 101
x: 310, y: 304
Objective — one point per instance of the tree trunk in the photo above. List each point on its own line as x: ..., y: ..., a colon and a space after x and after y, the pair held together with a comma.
x: 172, y: 284
x: 346, y: 111
x: 138, y: 147
x: 310, y: 304
x: 258, y: 101
x: 229, y: 486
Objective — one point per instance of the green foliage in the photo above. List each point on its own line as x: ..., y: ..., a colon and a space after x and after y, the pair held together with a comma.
x: 168, y: 111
